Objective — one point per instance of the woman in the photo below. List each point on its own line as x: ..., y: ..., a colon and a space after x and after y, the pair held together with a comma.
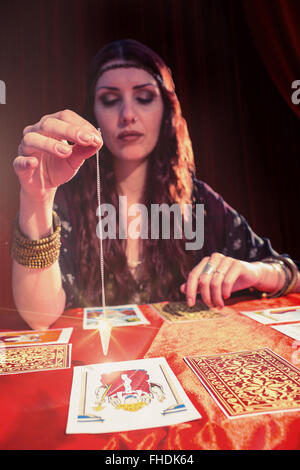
x: 146, y: 155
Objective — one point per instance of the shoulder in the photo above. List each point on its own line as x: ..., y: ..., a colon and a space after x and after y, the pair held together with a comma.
x: 203, y: 190
x: 216, y: 209
x: 205, y: 194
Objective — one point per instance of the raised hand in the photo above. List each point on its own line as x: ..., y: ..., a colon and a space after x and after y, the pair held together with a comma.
x: 52, y: 151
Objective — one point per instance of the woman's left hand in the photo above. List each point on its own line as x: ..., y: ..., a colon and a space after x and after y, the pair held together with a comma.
x: 217, y: 276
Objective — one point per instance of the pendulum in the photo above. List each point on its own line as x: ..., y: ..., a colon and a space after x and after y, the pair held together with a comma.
x: 104, y: 324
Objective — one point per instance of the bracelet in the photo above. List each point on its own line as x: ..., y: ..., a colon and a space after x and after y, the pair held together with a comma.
x: 36, y: 254
x: 290, y: 271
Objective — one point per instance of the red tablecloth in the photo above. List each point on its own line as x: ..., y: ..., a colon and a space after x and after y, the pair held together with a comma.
x: 34, y: 406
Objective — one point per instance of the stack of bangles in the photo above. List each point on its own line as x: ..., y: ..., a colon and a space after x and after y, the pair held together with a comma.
x: 286, y: 268
x: 36, y: 254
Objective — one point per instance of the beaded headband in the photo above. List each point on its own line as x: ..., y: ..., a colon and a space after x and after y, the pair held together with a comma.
x: 127, y: 65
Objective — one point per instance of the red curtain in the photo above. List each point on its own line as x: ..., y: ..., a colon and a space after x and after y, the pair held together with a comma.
x: 274, y: 25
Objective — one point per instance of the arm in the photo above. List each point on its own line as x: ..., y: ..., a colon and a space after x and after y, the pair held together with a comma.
x: 41, y: 168
x: 38, y: 293
x: 234, y: 252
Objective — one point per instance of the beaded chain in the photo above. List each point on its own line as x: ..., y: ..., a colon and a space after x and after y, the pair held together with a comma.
x: 101, y: 257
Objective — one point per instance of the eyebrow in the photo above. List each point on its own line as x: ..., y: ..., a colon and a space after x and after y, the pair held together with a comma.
x: 134, y: 88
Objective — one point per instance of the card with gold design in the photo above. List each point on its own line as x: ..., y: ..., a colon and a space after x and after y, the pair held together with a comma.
x: 248, y: 383
x: 18, y: 338
x: 180, y: 312
x: 34, y: 358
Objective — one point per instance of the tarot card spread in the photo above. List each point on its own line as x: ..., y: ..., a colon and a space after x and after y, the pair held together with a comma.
x: 124, y: 396
x: 121, y: 315
x: 249, y: 382
x: 179, y: 311
x: 34, y: 358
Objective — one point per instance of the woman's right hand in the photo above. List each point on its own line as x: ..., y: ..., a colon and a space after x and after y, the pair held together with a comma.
x: 46, y: 160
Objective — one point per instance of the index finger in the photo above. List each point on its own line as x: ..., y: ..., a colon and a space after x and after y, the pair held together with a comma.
x: 191, y: 286
x: 67, y: 116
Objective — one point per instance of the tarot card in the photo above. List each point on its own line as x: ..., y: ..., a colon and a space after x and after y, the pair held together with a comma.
x: 180, y: 312
x: 249, y: 382
x: 120, y: 315
x: 292, y: 330
x: 17, y: 338
x: 275, y: 315
x: 34, y: 358
x: 123, y: 396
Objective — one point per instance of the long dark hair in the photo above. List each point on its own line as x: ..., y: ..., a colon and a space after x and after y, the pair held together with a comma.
x: 169, y: 180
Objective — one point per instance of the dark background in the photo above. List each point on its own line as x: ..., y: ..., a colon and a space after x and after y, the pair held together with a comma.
x: 233, y: 63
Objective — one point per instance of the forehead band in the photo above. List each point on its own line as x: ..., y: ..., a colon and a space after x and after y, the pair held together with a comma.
x: 127, y: 65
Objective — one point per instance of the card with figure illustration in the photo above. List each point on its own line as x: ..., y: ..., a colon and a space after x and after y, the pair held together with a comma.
x: 278, y: 315
x: 181, y: 312
x: 120, y: 315
x: 248, y: 383
x: 123, y: 396
x: 50, y: 336
x: 34, y: 358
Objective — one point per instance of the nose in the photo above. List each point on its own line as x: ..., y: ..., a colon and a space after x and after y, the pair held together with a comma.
x: 127, y: 114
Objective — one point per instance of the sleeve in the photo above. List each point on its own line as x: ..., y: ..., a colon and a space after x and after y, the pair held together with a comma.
x: 67, y: 258
x: 227, y: 232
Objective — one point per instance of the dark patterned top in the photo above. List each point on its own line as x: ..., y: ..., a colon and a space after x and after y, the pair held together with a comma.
x: 225, y: 231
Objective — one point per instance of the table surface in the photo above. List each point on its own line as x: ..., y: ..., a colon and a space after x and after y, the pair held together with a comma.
x: 34, y: 406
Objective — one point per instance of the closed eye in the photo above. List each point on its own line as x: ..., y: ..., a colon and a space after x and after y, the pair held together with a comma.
x: 111, y: 99
x: 144, y: 100
x: 107, y: 101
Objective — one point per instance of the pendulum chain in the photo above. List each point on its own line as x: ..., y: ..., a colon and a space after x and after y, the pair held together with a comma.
x: 101, y: 259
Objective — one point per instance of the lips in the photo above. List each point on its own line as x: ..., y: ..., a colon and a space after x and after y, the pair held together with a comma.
x: 128, y: 136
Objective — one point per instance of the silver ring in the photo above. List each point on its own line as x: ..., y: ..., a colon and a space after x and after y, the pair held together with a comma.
x: 208, y: 269
x: 220, y: 272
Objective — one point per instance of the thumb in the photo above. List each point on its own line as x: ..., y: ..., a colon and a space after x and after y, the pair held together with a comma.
x: 183, y: 288
x: 25, y: 166
x: 81, y: 153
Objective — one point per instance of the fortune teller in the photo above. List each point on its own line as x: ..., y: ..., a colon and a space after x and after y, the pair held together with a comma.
x: 132, y: 120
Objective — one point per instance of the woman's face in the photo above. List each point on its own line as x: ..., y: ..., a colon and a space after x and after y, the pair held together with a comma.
x: 129, y: 108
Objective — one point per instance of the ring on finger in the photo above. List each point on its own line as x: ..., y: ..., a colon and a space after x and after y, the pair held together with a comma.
x: 219, y: 272
x: 208, y: 269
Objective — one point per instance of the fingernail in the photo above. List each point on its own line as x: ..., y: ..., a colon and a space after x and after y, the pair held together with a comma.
x: 85, y: 137
x: 97, y: 139
x: 61, y: 148
x: 190, y: 302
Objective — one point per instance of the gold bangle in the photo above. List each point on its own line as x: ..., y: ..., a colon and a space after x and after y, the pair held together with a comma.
x: 40, y: 253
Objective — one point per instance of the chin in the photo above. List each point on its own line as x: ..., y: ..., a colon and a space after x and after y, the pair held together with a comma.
x: 132, y: 156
